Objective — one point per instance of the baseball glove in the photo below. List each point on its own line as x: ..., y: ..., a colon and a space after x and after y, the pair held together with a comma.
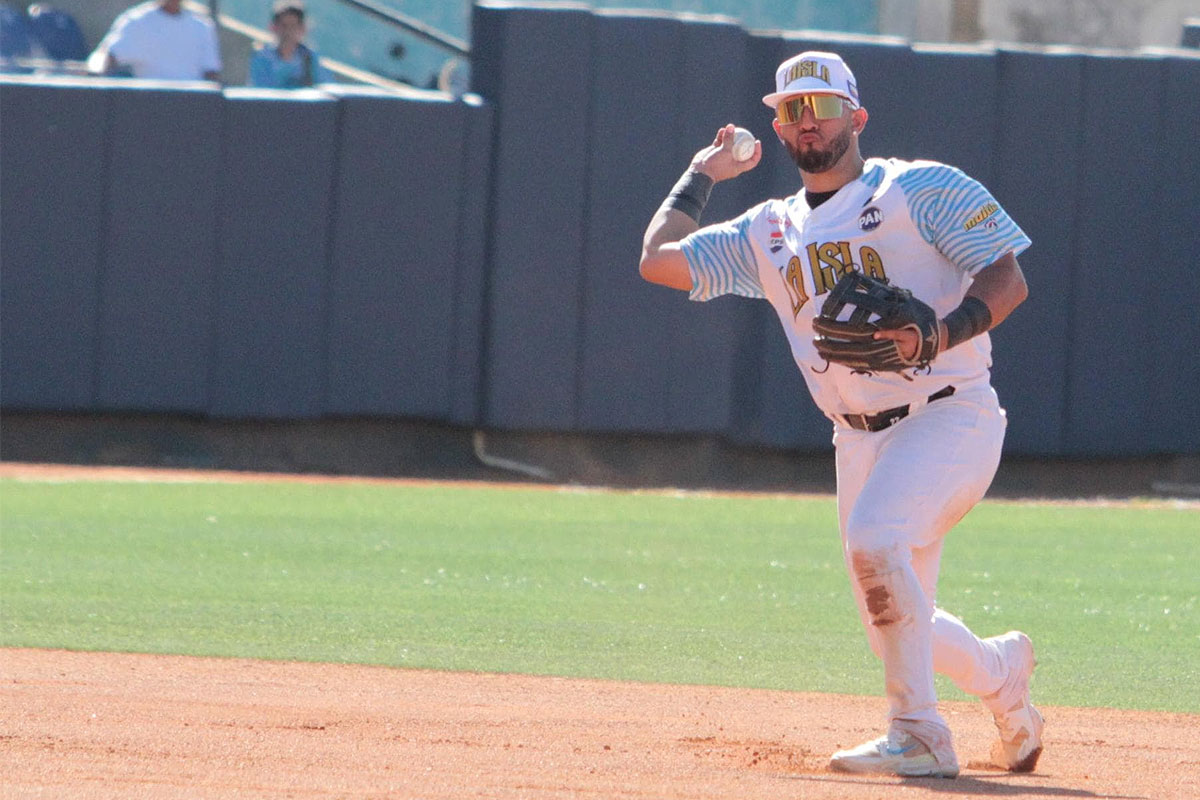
x: 877, y: 305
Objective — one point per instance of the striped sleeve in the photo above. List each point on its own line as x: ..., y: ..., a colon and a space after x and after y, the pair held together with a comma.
x: 959, y: 217
x: 721, y: 260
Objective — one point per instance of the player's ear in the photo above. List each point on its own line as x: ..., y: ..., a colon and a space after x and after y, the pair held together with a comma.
x: 858, y: 118
x: 775, y: 125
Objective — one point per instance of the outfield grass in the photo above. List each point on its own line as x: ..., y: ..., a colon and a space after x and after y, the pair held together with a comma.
x: 738, y: 591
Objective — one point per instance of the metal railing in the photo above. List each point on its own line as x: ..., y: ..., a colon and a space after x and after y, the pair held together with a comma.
x: 407, y: 23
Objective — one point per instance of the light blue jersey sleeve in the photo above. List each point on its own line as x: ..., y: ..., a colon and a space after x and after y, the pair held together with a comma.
x: 721, y: 259
x: 959, y: 217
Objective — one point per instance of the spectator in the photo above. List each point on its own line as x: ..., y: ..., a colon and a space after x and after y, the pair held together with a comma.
x: 290, y: 64
x: 160, y: 39
x: 16, y: 38
x: 58, y: 33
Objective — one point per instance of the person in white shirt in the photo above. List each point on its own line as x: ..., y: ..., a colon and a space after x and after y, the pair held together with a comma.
x: 160, y: 40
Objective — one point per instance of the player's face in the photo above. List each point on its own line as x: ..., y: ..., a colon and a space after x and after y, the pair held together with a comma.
x: 813, y: 136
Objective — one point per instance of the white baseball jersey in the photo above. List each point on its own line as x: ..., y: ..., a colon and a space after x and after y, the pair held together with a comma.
x: 922, y: 225
x: 163, y: 46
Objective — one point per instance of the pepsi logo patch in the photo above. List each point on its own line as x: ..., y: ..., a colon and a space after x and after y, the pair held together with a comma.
x: 870, y: 219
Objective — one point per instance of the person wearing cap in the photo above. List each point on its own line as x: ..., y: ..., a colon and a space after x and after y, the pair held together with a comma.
x: 159, y: 40
x: 290, y: 64
x: 914, y: 451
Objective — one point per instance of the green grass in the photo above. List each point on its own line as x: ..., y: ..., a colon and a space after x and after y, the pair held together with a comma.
x: 687, y: 589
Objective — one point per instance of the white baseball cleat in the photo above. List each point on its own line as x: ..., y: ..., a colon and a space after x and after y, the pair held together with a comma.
x: 1018, y: 722
x: 898, y: 753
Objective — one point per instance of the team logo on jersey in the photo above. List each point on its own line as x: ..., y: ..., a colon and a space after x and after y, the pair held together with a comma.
x: 870, y: 219
x: 981, y: 215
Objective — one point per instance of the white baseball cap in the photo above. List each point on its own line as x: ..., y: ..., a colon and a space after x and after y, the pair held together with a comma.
x: 813, y: 72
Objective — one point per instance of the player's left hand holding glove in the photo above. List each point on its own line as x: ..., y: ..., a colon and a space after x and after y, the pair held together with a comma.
x: 878, y: 306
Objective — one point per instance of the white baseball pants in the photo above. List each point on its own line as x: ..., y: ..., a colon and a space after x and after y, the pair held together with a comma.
x: 900, y: 490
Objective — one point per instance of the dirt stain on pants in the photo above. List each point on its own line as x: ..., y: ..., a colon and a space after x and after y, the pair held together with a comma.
x: 867, y: 571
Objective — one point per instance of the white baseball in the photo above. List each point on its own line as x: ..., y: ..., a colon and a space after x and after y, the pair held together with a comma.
x: 743, y: 144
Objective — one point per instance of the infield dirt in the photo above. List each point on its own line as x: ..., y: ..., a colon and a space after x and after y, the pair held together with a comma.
x: 96, y: 725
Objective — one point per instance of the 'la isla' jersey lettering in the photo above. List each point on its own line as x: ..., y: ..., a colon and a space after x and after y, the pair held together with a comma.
x: 829, y: 261
x: 921, y: 225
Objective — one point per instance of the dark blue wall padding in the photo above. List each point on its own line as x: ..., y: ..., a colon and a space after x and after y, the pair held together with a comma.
x: 1110, y: 382
x: 626, y: 367
x: 276, y: 195
x: 650, y: 358
x: 169, y: 248
x: 395, y: 244
x: 160, y: 250
x: 470, y: 258
x: 951, y: 106
x: 1037, y: 185
x: 535, y: 65
x: 1172, y: 400
x: 52, y: 179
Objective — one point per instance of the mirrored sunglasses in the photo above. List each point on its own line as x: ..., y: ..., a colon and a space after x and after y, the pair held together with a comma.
x: 824, y: 106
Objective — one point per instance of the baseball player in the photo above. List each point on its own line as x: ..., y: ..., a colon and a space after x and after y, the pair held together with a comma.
x: 915, y: 448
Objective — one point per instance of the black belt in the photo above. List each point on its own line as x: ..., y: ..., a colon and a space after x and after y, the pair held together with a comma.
x: 886, y: 419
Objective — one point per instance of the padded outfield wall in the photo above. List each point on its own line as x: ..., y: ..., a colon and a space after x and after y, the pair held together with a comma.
x: 241, y: 254
x: 253, y: 254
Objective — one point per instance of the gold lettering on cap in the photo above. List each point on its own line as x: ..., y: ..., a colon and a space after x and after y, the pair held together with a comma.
x: 808, y: 69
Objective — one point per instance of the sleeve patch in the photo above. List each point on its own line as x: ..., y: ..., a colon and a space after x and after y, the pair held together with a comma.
x: 981, y: 215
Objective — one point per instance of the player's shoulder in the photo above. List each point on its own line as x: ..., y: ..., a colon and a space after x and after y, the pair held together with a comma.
x: 924, y: 174
x: 759, y: 223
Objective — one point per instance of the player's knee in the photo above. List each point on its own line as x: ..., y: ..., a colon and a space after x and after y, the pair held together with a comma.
x: 876, y: 526
x: 873, y: 546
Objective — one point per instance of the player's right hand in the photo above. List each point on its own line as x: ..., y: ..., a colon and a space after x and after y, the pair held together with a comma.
x: 717, y: 161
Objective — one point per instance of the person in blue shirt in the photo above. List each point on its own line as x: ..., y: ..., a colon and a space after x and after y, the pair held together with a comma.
x: 290, y: 64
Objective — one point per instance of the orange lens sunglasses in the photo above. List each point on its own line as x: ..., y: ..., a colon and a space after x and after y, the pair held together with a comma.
x: 824, y: 106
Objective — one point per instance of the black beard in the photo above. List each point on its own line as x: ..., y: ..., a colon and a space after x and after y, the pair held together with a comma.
x: 814, y: 161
